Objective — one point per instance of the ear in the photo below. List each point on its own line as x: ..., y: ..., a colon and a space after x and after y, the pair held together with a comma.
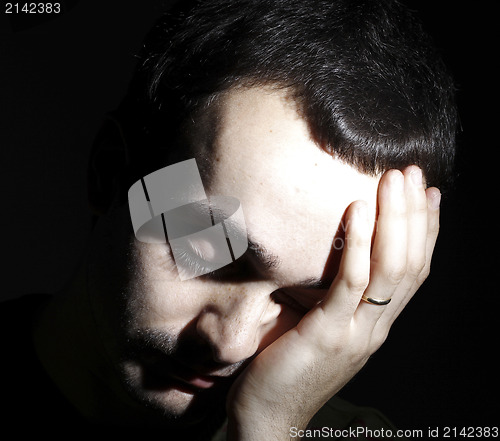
x: 107, y: 165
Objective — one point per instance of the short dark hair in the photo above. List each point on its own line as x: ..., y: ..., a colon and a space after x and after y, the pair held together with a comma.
x: 365, y: 75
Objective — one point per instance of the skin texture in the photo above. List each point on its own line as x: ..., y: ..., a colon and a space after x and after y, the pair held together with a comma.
x: 291, y: 333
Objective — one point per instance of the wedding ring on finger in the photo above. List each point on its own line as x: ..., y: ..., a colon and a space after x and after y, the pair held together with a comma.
x: 378, y: 302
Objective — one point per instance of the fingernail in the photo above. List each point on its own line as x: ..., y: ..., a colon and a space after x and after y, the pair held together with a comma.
x: 435, y: 200
x: 416, y: 176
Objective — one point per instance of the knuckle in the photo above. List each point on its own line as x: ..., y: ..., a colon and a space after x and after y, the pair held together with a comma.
x: 378, y: 339
x: 361, y: 352
x: 424, y: 274
x: 357, y: 283
x: 420, y: 209
x: 354, y: 280
x: 395, y: 274
x: 357, y: 241
x: 400, y: 212
x: 415, y: 268
x: 433, y: 228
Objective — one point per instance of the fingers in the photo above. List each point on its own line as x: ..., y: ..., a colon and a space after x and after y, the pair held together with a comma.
x: 417, y: 207
x: 389, y: 255
x: 415, y: 277
x: 397, y: 263
x: 433, y: 200
x: 402, y: 278
x: 353, y: 276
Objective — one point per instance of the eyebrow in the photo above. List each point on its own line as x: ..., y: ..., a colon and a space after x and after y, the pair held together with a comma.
x: 265, y: 258
x: 268, y: 261
x: 314, y: 283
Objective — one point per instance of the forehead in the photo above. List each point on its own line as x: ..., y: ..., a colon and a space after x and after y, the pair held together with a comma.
x: 293, y: 193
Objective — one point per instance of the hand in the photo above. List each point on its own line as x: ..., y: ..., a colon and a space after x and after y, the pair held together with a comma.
x: 290, y: 380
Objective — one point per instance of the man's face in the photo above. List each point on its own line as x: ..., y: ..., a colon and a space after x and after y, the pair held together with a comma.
x: 181, y: 342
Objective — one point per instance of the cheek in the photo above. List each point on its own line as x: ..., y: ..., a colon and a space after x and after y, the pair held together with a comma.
x: 155, y: 297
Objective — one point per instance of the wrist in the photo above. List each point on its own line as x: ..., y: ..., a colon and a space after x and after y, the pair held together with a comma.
x: 256, y: 426
x: 259, y: 431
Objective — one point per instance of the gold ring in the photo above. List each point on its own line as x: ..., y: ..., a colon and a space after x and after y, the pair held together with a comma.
x: 378, y: 302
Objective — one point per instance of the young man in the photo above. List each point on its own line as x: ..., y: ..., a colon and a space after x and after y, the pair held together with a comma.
x: 332, y: 124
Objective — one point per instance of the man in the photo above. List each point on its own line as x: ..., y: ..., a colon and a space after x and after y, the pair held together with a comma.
x: 332, y: 124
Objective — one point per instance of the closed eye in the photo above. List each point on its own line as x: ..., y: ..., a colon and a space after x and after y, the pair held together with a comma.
x: 300, y: 299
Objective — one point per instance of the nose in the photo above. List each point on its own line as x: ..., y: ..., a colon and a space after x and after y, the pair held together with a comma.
x: 236, y: 323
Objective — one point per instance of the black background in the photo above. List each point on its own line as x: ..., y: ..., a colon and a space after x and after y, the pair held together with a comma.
x: 60, y: 74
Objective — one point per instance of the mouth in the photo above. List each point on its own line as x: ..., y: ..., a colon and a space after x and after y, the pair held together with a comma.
x: 160, y: 372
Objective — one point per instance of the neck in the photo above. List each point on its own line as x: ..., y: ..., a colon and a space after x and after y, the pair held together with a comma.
x: 69, y: 347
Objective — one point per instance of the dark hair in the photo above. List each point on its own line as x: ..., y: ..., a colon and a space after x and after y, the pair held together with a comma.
x: 364, y: 74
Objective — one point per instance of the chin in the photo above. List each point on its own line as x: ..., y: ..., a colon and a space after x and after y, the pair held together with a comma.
x: 168, y: 400
x: 171, y: 404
